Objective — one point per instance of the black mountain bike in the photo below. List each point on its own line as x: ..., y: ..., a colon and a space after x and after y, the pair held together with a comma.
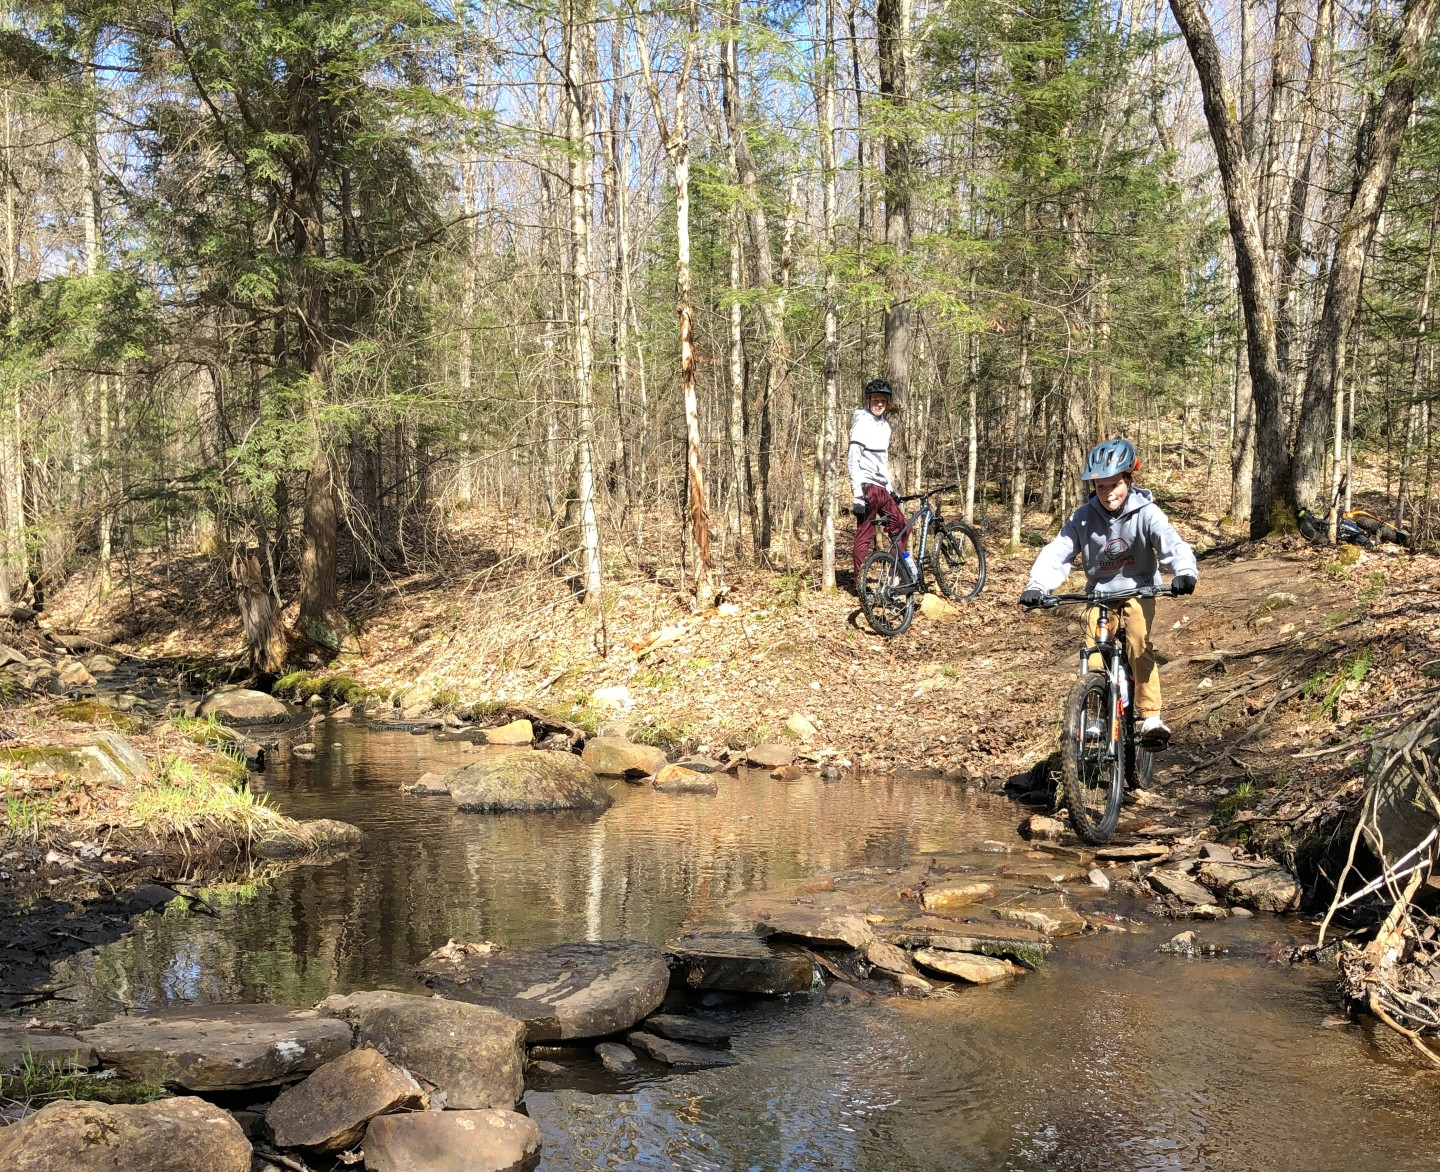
x: 1101, y: 756
x: 951, y: 551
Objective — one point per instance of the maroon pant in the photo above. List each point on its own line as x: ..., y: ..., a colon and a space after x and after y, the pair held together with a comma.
x: 879, y: 503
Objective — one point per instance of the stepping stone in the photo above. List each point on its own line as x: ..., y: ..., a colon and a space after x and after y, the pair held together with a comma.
x: 1053, y: 921
x: 687, y: 1029
x: 737, y: 962
x: 955, y: 895
x: 450, y: 1141
x: 178, y: 1135
x: 769, y: 756
x: 617, y: 757
x: 475, y: 1054
x: 1181, y: 886
x: 1042, y: 826
x: 966, y: 966
x: 220, y: 1047
x: 1010, y: 942
x: 1140, y: 852
x: 1039, y: 874
x: 560, y: 991
x: 617, y: 1059
x: 677, y: 779
x: 673, y: 1053
x: 526, y: 783
x: 242, y: 706
x: 329, y: 1110
x: 42, y: 1049
x: 893, y: 964
x: 816, y: 926
x: 701, y: 764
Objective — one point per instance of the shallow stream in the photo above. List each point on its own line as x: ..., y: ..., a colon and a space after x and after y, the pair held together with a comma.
x: 1111, y: 1056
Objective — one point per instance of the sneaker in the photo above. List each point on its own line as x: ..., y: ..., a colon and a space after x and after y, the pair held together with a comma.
x: 1154, y: 734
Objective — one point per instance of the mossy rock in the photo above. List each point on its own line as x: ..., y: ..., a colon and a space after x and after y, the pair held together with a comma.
x: 527, y: 782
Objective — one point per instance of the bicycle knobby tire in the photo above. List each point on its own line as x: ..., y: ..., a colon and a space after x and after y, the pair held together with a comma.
x: 958, y: 562
x: 1093, y: 786
x: 887, y: 613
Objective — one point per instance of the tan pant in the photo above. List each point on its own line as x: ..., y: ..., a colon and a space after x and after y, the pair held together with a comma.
x: 1136, y: 616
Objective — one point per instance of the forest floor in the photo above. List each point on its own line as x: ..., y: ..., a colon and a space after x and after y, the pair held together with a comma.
x: 1276, y: 672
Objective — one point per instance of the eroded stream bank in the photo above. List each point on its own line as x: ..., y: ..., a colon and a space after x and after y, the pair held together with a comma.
x: 1111, y: 1055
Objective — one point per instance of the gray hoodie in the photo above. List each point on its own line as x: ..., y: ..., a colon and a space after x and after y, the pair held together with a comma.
x: 1120, y: 553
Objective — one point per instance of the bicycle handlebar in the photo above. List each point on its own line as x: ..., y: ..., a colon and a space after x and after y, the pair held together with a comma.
x: 917, y: 496
x: 1051, y: 601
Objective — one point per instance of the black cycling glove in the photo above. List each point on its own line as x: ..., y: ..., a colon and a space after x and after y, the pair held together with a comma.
x: 859, y: 509
x: 1031, y: 598
x: 1182, y: 584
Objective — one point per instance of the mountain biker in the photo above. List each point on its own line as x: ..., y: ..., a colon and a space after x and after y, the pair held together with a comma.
x: 868, y: 464
x: 1123, y: 539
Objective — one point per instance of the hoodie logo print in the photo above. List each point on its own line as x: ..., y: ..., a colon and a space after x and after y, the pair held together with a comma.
x: 1117, y: 554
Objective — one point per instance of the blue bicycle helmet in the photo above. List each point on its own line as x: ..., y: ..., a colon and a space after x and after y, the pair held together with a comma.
x: 1110, y: 459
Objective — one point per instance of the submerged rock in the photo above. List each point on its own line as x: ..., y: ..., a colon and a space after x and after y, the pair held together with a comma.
x: 736, y: 962
x: 220, y: 1047
x: 527, y: 783
x: 312, y: 837
x: 329, y: 1110
x: 673, y: 1053
x: 687, y: 1029
x: 617, y: 1059
x: 560, y: 991
x: 473, y: 1053
x: 1022, y: 945
x: 243, y: 706
x: 617, y: 757
x: 450, y: 1141
x: 177, y: 1135
x: 676, y: 779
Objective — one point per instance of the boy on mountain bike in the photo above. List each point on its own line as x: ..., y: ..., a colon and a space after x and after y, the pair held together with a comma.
x: 868, y: 464
x: 1123, y: 539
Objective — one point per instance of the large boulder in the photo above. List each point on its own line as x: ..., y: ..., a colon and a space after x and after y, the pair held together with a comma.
x: 243, y: 706
x: 450, y: 1141
x: 617, y: 757
x: 103, y: 757
x: 736, y: 962
x: 172, y: 1135
x: 475, y: 1054
x: 220, y: 1047
x: 329, y: 1110
x: 560, y: 991
x: 526, y: 783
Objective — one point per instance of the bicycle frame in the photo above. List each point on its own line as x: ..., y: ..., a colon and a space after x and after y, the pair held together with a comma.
x: 1113, y: 655
x: 926, y: 516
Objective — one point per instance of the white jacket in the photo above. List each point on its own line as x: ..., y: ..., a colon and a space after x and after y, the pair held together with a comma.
x: 869, y: 449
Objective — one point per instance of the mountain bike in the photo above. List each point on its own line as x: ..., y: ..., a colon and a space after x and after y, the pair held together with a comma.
x: 1101, y: 756
x: 951, y: 551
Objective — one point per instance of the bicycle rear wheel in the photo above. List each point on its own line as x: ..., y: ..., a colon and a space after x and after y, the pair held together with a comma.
x: 1093, y: 785
x: 887, y: 612
x: 958, y: 562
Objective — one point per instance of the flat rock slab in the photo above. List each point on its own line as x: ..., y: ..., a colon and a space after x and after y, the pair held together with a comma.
x: 677, y: 779
x: 701, y: 764
x: 450, y: 1141
x: 769, y: 756
x: 736, y: 962
x: 329, y: 1110
x: 970, y: 967
x: 1181, y: 886
x: 475, y: 1054
x: 687, y: 1029
x: 954, y: 895
x: 1042, y: 826
x: 816, y: 926
x: 525, y: 783
x: 243, y: 706
x: 617, y: 757
x: 673, y: 1053
x: 1042, y: 874
x: 1053, y: 920
x: 43, y: 1050
x: 1008, y: 941
x: 172, y: 1135
x: 1139, y: 853
x: 617, y: 1059
x: 560, y: 991
x: 220, y: 1047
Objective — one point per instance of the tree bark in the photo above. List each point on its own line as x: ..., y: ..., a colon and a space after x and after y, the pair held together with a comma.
x: 892, y: 24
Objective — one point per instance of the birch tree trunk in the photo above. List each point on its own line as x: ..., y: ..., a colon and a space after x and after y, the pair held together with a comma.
x: 892, y: 24
x: 825, y: 107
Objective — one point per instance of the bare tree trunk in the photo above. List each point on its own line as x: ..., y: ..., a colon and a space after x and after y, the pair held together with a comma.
x: 1024, y: 408
x: 826, y: 110
x: 892, y: 24
x: 739, y: 453
x: 1252, y: 263
x: 1417, y: 383
x: 1377, y: 150
x: 972, y: 444
x: 576, y: 17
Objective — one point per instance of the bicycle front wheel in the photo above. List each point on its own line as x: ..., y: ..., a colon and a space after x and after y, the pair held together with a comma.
x: 1093, y: 783
x: 958, y: 562
x: 887, y: 612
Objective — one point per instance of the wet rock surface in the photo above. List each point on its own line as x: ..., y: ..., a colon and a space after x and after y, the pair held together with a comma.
x: 969, y: 967
x: 678, y: 779
x: 314, y: 837
x: 527, y: 782
x: 174, y: 1135
x: 617, y: 757
x: 473, y: 1053
x: 687, y: 1029
x: 617, y: 1059
x: 329, y: 1110
x: 818, y: 927
x: 560, y: 991
x: 740, y: 962
x: 953, y: 895
x: 219, y: 1047
x: 450, y: 1141
x: 1022, y: 945
x: 673, y: 1053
